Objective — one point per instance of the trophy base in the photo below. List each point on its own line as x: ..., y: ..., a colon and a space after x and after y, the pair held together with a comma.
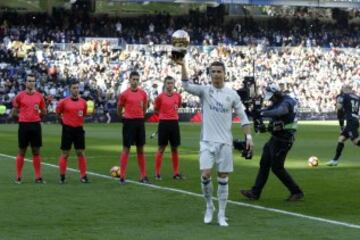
x: 178, y: 54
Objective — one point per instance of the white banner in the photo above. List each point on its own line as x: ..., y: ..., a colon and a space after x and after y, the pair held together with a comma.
x: 114, y: 42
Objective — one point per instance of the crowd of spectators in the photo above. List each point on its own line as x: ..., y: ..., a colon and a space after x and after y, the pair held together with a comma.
x: 312, y: 73
x: 204, y: 28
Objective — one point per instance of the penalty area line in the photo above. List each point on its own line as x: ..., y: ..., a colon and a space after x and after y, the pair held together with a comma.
x: 169, y: 189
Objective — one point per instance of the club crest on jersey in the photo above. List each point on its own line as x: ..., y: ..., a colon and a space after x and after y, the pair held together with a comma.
x: 228, y: 99
x: 36, y: 107
x: 211, y: 93
x: 81, y: 113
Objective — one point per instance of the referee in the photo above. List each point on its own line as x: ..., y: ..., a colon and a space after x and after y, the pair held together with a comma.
x: 72, y: 111
x: 134, y: 102
x: 29, y: 106
x: 167, y: 104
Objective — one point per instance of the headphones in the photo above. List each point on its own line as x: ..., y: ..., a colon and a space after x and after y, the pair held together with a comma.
x: 274, y: 89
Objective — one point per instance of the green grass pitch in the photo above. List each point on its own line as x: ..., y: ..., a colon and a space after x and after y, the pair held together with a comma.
x: 105, y: 209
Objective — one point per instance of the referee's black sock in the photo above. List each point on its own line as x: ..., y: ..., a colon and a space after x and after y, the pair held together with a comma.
x: 339, y: 148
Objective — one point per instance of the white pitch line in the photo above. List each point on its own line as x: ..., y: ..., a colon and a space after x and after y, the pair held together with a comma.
x: 275, y: 210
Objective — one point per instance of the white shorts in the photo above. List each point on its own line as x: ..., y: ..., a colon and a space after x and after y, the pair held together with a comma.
x: 219, y: 153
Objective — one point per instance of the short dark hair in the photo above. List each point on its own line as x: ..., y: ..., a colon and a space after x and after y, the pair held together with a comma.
x: 134, y: 73
x: 73, y: 82
x: 32, y: 75
x: 218, y: 64
x: 167, y: 78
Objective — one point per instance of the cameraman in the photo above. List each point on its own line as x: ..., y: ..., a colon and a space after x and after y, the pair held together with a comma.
x: 282, y: 126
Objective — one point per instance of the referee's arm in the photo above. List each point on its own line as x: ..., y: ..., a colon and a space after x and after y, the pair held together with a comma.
x: 119, y: 111
x: 43, y: 108
x: 14, y: 112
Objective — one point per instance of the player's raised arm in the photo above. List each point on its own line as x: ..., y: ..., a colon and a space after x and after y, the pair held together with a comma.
x: 189, y: 87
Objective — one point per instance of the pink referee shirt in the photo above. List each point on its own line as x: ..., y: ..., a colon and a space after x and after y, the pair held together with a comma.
x: 133, y: 102
x: 73, y: 111
x: 167, y: 106
x: 29, y: 106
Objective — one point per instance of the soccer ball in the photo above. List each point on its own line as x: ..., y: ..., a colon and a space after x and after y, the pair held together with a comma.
x: 115, y: 171
x: 313, y: 161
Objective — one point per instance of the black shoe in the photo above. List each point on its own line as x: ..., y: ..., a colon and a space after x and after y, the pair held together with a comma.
x: 295, y: 197
x: 249, y: 194
x: 40, y: 180
x: 145, y: 180
x: 84, y: 179
x: 62, y: 179
x: 178, y: 177
x: 158, y: 177
x: 122, y: 181
x: 18, y: 180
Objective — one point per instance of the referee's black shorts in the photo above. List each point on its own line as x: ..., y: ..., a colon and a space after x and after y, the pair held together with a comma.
x: 72, y: 135
x: 29, y: 133
x: 169, y: 131
x: 133, y: 132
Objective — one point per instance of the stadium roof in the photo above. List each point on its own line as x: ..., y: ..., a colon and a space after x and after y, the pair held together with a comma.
x: 114, y: 6
x: 307, y: 3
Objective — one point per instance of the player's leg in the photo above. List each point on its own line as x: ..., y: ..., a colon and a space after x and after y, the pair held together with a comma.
x: 141, y: 163
x: 23, y: 143
x: 36, y: 143
x: 124, y: 158
x: 339, y: 148
x: 162, y: 143
x: 158, y: 161
x: 355, y: 136
x: 206, y: 163
x: 63, y: 165
x: 79, y: 145
x: 82, y: 165
x: 127, y: 137
x: 20, y: 160
x: 175, y: 141
x: 225, y: 166
x: 356, y: 141
x: 140, y: 142
x: 66, y: 142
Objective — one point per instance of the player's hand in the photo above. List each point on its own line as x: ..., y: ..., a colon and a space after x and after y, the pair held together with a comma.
x: 178, y: 61
x: 249, y: 142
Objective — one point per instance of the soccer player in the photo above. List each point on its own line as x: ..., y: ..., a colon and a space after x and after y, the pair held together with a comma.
x: 135, y: 102
x: 218, y: 103
x: 167, y: 104
x: 350, y: 105
x: 339, y: 110
x: 283, y: 124
x: 72, y: 111
x: 29, y: 106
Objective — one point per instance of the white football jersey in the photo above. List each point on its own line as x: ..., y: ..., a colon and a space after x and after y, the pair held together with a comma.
x: 217, y: 109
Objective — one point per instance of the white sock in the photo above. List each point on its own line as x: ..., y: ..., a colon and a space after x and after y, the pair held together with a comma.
x: 207, y: 189
x: 223, y: 193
